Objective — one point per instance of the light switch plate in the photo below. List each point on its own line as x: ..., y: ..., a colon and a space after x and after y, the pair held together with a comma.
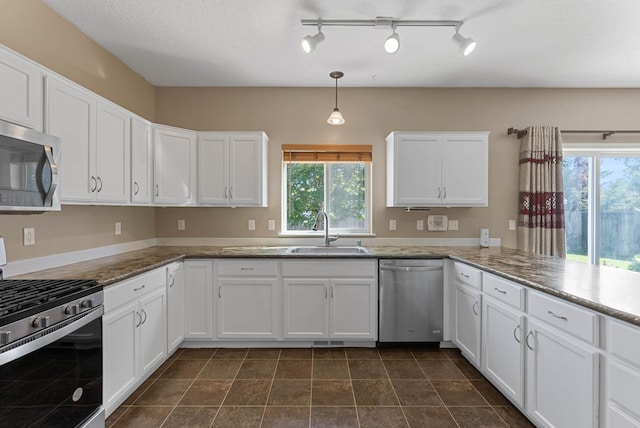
x: 453, y: 225
x: 437, y: 222
x: 252, y: 224
x: 512, y: 225
x: 420, y: 225
x: 118, y: 228
x: 181, y: 225
x: 271, y: 225
x: 392, y: 225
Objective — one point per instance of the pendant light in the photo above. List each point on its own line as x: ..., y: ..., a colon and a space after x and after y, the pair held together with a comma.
x: 336, y: 117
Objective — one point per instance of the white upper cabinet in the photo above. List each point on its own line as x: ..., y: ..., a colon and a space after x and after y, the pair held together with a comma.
x: 437, y: 169
x: 174, y: 172
x: 141, y: 161
x: 21, y: 86
x: 232, y: 169
x: 95, y: 144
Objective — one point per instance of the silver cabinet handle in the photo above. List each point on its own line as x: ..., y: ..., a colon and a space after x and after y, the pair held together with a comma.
x: 332, y: 287
x: 464, y: 275
x: 231, y: 192
x: 220, y: 292
x: 173, y: 281
x: 246, y: 268
x: 439, y: 193
x: 136, y: 187
x: 225, y: 193
x: 474, y: 308
x: 514, y: 333
x: 526, y: 340
x: 145, y: 316
x: 557, y: 316
x: 445, y: 193
x: 326, y: 293
x: 140, y: 321
x: 500, y: 291
x: 100, y: 188
x: 139, y: 288
x: 94, y: 184
x: 157, y: 190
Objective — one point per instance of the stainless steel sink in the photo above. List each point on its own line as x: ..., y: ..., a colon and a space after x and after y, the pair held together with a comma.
x: 338, y: 250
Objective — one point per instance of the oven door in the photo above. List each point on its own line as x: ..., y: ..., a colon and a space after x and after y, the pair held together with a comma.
x: 55, y: 380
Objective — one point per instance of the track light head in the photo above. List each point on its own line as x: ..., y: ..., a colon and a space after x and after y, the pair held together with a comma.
x: 392, y: 43
x: 309, y: 43
x: 466, y: 45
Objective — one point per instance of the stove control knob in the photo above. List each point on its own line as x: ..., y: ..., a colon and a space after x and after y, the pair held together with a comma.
x: 40, y: 322
x: 72, y: 309
x: 5, y: 337
x: 87, y: 303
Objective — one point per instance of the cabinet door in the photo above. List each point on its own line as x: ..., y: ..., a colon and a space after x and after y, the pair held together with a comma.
x: 120, y: 350
x: 153, y: 331
x: 414, y: 170
x: 141, y: 161
x: 113, y: 154
x: 306, y: 308
x: 175, y: 306
x: 198, y: 299
x: 467, y: 309
x: 213, y: 169
x: 175, y: 167
x: 465, y: 179
x: 71, y: 116
x: 21, y: 89
x: 247, y: 308
x: 353, y: 309
x: 561, y: 379
x: 503, y: 348
x: 246, y: 171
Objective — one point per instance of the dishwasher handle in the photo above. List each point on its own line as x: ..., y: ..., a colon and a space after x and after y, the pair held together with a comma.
x: 411, y: 268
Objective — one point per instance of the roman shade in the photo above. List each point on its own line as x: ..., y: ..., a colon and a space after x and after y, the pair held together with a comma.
x: 326, y: 153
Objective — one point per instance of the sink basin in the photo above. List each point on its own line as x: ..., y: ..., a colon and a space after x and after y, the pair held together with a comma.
x: 340, y: 250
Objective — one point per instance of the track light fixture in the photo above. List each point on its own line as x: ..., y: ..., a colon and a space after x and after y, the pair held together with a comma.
x: 336, y: 117
x: 392, y: 43
x: 309, y: 43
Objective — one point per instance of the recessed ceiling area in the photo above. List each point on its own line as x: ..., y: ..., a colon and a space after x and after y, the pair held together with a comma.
x: 524, y: 43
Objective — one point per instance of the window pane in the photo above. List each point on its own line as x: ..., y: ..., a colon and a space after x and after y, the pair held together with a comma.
x: 619, y: 211
x: 347, y: 202
x: 305, y: 194
x: 575, y: 175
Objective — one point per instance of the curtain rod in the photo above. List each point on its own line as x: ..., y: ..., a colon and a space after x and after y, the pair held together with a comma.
x: 605, y: 134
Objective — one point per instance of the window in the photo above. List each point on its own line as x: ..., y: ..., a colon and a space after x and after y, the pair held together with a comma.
x: 602, y: 204
x: 334, y: 179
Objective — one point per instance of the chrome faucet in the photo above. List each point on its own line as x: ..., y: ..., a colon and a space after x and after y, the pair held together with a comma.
x: 327, y: 239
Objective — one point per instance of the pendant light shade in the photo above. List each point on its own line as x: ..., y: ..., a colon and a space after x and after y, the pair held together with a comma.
x: 336, y: 117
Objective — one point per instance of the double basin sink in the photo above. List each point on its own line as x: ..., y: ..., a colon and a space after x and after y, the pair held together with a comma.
x: 322, y: 250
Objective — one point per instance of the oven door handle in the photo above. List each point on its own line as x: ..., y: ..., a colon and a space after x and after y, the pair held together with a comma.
x: 47, y: 339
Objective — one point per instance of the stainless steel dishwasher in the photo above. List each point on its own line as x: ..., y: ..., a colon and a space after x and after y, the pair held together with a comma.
x: 411, y: 301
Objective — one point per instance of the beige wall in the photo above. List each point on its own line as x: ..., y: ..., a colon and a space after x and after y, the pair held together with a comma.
x: 298, y: 115
x: 32, y: 29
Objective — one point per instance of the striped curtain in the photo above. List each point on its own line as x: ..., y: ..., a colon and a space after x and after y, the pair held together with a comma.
x: 541, y: 215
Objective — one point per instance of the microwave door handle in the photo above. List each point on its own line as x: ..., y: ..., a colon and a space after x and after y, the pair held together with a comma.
x: 48, y: 200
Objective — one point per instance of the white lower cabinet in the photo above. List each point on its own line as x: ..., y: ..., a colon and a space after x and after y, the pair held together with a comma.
x: 175, y: 306
x: 198, y: 300
x: 247, y: 295
x: 134, y: 334
x: 467, y: 314
x: 622, y: 370
x: 335, y: 300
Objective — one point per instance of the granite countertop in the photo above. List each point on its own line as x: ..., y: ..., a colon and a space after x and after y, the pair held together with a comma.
x: 607, y: 290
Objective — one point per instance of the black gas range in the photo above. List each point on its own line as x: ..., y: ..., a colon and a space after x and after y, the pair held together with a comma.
x: 51, y: 353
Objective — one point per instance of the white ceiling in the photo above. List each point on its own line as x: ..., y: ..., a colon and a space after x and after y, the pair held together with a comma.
x: 521, y: 43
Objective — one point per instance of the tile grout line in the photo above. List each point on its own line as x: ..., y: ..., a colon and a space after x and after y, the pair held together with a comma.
x: 273, y: 376
x: 353, y: 391
x: 311, y: 391
x: 228, y: 390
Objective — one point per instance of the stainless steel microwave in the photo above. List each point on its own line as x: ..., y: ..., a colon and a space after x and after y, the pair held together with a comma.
x: 29, y: 176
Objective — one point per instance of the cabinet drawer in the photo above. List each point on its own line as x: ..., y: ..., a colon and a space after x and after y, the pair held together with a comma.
x: 625, y: 342
x: 330, y: 269
x: 131, y: 289
x: 503, y: 290
x: 246, y: 267
x: 466, y: 274
x: 572, y: 319
x: 624, y: 384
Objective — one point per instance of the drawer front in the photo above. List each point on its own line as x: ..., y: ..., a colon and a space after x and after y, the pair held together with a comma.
x: 574, y: 320
x: 503, y: 290
x: 330, y: 269
x: 625, y: 342
x: 466, y: 274
x: 132, y: 289
x: 246, y: 267
x: 624, y: 385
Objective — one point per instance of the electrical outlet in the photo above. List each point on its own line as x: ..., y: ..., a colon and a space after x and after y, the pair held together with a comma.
x: 252, y: 224
x: 271, y: 224
x: 453, y: 225
x: 512, y: 225
x: 29, y: 235
x: 181, y: 225
x: 392, y: 225
x: 118, y: 228
x: 420, y: 225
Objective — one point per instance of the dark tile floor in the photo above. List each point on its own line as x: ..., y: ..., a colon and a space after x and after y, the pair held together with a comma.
x: 336, y: 387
